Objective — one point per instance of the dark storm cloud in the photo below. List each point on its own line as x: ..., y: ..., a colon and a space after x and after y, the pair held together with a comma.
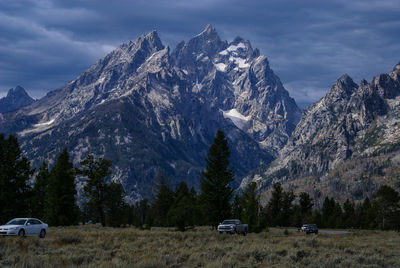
x: 44, y: 44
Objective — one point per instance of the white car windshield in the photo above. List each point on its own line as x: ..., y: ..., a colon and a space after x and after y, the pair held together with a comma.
x: 16, y: 222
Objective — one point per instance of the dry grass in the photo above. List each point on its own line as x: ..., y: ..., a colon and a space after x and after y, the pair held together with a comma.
x: 93, y: 246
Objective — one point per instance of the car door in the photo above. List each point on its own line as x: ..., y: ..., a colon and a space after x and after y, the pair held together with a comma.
x: 30, y: 227
x: 38, y: 226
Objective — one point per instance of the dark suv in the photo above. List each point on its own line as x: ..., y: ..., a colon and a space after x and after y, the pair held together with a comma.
x: 309, y: 228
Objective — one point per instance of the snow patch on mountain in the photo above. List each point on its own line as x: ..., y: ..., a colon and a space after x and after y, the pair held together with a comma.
x: 40, y: 127
x: 237, y: 118
x: 241, y: 63
x: 220, y: 66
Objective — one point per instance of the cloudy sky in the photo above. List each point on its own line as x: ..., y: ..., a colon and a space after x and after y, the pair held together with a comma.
x: 46, y: 43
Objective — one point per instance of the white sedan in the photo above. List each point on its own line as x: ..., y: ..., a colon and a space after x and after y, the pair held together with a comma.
x: 25, y: 227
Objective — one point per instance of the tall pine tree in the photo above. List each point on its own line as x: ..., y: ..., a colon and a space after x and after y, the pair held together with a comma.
x: 251, y: 207
x: 96, y: 185
x: 15, y: 171
x: 274, y: 207
x: 162, y: 204
x: 39, y: 192
x: 61, y: 204
x: 215, y: 190
x: 387, y: 207
x: 181, y: 213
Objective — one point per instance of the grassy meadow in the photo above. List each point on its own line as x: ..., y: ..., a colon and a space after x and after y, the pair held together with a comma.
x: 94, y: 246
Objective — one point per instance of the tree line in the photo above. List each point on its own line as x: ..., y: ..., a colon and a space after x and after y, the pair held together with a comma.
x: 53, y: 197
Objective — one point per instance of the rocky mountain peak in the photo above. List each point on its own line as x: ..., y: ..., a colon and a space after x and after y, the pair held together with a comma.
x: 343, y: 88
x: 17, y: 90
x: 15, y: 99
x: 387, y: 85
x: 209, y: 29
x: 153, y: 40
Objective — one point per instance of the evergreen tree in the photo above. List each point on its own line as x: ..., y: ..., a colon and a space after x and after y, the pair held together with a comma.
x: 163, y: 202
x: 348, y: 214
x: 251, y: 207
x: 181, y: 212
x: 15, y: 171
x: 337, y: 217
x: 297, y: 217
x: 287, y: 208
x: 387, y: 207
x: 142, y: 209
x: 328, y: 209
x: 96, y: 185
x: 306, y: 205
x: 39, y: 192
x: 198, y: 213
x: 216, y: 192
x: 367, y: 215
x: 61, y: 207
x: 317, y: 218
x: 275, y: 204
x: 237, y: 207
x: 114, y: 205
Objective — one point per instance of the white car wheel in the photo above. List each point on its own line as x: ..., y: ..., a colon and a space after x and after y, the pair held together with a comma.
x: 21, y: 233
x: 42, y: 233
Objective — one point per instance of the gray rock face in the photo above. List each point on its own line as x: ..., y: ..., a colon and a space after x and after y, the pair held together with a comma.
x: 352, y: 121
x: 15, y: 99
x: 236, y: 79
x: 149, y: 110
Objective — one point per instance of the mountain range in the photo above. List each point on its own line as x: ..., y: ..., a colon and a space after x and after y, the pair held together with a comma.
x: 346, y: 145
x: 151, y: 109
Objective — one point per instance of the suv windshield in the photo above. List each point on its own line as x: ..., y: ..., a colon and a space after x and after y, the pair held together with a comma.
x: 16, y: 222
x: 229, y: 222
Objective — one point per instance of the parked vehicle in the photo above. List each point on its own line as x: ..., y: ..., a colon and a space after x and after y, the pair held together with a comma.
x: 25, y: 227
x: 309, y: 228
x: 233, y: 227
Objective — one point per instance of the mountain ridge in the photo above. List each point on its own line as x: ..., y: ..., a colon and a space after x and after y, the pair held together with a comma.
x: 350, y: 123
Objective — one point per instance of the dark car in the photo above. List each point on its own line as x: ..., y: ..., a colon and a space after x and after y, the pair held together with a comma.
x: 309, y: 228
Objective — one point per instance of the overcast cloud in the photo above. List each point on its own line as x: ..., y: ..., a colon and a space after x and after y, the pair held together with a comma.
x: 46, y: 43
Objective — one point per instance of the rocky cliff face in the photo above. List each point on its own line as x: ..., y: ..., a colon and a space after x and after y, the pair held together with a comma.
x: 351, y: 122
x: 15, y: 99
x: 148, y: 109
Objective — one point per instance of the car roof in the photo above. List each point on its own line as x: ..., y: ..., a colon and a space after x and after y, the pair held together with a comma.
x: 24, y: 219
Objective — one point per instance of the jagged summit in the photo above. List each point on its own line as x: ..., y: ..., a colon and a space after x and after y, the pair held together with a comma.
x: 17, y: 90
x: 343, y: 88
x: 16, y: 98
x: 208, y: 29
